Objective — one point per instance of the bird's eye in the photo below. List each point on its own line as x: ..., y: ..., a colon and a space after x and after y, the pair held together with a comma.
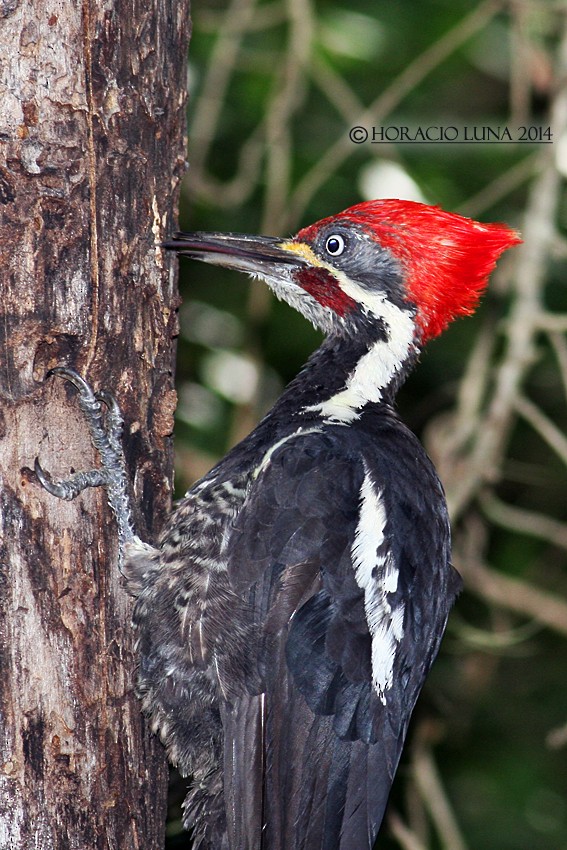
x: 335, y: 245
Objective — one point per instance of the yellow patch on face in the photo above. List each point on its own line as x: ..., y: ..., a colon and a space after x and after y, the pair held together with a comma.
x: 304, y: 251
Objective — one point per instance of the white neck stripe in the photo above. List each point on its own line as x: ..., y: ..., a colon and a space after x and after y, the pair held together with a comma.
x: 375, y: 369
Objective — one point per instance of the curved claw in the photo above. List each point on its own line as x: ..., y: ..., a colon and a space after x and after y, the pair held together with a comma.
x: 45, y: 479
x: 71, y: 487
x: 108, y: 399
x: 73, y: 377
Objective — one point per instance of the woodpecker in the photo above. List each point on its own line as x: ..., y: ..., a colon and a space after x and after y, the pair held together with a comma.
x: 296, y: 599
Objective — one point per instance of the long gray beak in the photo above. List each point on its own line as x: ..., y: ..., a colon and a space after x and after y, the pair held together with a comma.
x: 261, y: 255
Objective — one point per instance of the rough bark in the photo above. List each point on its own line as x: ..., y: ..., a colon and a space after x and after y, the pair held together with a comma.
x: 92, y: 151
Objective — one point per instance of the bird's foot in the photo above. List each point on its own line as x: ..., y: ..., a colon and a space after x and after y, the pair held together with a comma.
x: 105, y: 422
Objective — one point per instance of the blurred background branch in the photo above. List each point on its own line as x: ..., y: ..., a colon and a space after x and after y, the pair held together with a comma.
x: 276, y: 87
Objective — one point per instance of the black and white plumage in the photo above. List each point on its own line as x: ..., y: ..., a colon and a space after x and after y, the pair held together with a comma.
x: 290, y: 612
x: 314, y: 605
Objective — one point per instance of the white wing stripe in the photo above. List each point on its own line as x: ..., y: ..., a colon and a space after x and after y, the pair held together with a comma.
x: 377, y: 575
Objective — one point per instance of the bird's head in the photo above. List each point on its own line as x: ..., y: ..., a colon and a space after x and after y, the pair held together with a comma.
x: 369, y: 265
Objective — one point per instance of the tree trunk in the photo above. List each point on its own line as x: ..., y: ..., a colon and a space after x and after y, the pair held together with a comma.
x: 92, y: 151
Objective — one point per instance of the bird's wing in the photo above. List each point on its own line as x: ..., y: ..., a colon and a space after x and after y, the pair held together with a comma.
x: 347, y: 573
